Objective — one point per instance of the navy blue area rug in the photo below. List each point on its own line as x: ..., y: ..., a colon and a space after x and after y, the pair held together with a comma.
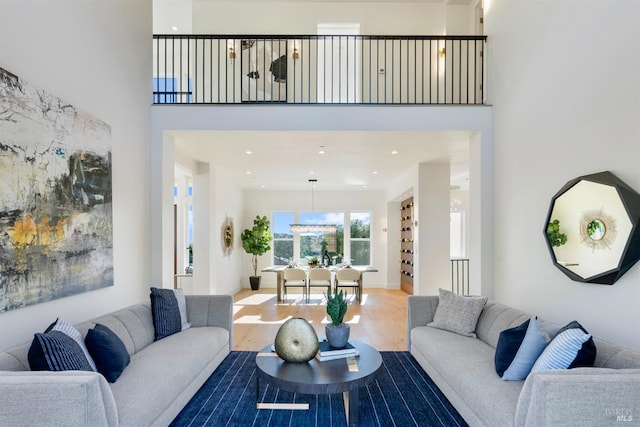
x: 402, y: 395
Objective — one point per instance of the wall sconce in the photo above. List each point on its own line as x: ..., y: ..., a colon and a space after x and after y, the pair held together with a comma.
x: 232, y: 53
x: 384, y: 229
x: 296, y: 54
x: 442, y: 52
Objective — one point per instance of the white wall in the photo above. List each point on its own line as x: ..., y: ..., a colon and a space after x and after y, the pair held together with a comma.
x: 459, y: 20
x: 565, y: 94
x: 432, y: 243
x: 228, y: 275
x: 96, y: 55
x: 273, y: 17
x: 168, y: 14
x: 266, y: 202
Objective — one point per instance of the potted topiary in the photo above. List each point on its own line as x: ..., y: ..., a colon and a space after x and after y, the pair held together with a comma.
x: 255, y: 241
x: 556, y: 238
x: 337, y: 332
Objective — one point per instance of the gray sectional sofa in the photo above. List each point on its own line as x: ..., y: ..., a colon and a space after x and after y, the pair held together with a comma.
x: 463, y: 368
x: 160, y: 379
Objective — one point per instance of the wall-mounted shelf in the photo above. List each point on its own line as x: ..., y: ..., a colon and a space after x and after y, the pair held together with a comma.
x: 406, y: 245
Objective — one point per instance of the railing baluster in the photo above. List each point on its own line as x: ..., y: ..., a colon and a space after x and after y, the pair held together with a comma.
x: 460, y: 276
x: 475, y: 82
x: 328, y: 69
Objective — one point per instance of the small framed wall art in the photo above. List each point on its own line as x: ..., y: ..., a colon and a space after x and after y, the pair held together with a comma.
x: 227, y: 236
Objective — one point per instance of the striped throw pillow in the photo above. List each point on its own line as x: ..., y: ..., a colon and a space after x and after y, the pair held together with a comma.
x: 165, y: 312
x: 71, y: 331
x: 56, y: 351
x: 562, y: 350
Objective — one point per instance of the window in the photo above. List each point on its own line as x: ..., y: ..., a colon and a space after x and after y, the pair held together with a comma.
x: 282, y: 238
x: 317, y: 242
x: 360, y: 242
x: 167, y: 90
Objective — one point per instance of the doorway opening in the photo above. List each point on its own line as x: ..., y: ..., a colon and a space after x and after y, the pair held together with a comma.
x: 339, y: 62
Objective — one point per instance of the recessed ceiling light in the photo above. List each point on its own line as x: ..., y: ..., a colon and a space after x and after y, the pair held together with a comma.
x: 248, y: 172
x: 248, y: 152
x: 394, y: 152
x: 174, y: 28
x: 321, y: 152
x: 312, y: 172
x: 375, y: 172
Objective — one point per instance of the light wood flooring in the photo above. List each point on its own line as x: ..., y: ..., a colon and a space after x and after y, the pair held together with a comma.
x: 379, y: 320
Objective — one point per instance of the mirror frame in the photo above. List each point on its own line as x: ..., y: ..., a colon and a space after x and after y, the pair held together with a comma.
x: 630, y: 199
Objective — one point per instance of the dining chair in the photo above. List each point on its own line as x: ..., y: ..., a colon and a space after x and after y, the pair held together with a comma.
x: 319, y: 277
x: 349, y: 278
x: 294, y: 278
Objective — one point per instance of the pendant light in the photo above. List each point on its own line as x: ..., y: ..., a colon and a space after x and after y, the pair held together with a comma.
x: 313, y: 228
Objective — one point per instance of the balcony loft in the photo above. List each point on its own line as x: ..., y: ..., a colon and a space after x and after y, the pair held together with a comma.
x: 318, y: 69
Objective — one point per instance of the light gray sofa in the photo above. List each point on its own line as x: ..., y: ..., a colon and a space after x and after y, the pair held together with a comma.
x: 161, y: 378
x: 463, y: 368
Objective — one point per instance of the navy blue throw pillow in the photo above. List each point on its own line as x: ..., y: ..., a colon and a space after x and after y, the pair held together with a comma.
x: 108, y: 352
x: 587, y: 354
x: 165, y: 312
x: 508, y: 344
x: 56, y: 351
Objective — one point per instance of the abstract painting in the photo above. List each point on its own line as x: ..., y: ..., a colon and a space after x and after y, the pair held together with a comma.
x: 264, y: 70
x: 56, y: 225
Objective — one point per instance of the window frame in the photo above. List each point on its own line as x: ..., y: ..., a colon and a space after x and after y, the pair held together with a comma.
x: 361, y: 239
x: 346, y: 231
x: 279, y: 239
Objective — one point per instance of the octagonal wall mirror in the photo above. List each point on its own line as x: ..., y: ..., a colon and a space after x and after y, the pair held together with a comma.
x: 592, y: 228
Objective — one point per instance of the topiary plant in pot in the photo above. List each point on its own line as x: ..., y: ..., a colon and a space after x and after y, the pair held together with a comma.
x: 337, y: 332
x: 556, y: 238
x: 255, y: 241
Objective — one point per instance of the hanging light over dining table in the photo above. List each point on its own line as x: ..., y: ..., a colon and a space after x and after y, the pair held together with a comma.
x: 313, y: 228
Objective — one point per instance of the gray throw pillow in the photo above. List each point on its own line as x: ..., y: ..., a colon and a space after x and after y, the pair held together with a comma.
x: 457, y: 313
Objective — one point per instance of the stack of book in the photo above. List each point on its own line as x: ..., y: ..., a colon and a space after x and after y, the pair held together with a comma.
x: 326, y: 352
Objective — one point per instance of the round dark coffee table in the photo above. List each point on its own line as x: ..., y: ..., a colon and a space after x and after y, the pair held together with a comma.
x: 314, y: 377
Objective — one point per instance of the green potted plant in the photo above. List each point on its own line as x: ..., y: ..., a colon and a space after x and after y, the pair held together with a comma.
x: 337, y: 331
x: 313, y: 261
x: 255, y: 241
x: 556, y: 238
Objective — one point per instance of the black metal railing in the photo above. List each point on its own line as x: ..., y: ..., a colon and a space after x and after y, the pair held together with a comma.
x: 460, y: 276
x: 314, y: 69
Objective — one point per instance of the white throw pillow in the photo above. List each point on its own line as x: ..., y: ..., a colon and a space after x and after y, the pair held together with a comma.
x: 182, y: 306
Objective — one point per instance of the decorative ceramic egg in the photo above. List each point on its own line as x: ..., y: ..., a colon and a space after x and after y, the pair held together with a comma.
x: 296, y: 341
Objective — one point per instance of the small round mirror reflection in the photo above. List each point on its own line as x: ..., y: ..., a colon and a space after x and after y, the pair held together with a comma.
x: 596, y: 229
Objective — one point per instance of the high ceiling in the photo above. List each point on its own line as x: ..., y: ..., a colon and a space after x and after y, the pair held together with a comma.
x: 352, y: 160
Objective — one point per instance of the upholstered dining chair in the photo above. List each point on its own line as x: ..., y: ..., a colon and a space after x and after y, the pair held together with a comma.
x: 319, y: 277
x: 294, y: 278
x: 349, y: 278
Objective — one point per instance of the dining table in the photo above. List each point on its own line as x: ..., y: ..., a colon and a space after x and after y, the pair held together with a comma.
x: 279, y: 269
